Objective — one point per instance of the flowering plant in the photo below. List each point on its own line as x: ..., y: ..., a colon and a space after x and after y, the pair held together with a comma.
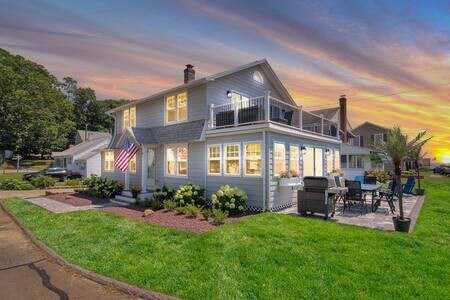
x: 230, y: 199
x: 190, y: 193
x: 289, y: 174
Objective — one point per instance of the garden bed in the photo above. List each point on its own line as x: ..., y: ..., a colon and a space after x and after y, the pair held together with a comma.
x: 76, y: 199
x: 171, y: 218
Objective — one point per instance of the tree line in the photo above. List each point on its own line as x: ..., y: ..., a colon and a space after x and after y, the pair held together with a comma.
x: 39, y: 114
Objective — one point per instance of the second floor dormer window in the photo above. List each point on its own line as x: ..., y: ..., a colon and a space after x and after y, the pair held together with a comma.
x: 129, y: 117
x: 176, y: 108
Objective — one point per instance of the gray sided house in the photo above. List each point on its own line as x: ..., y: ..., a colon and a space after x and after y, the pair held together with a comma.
x: 239, y: 127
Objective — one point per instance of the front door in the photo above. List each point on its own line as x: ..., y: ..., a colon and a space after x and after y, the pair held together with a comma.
x: 151, y: 169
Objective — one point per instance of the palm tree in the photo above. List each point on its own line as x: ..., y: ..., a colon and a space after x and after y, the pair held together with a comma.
x: 415, y: 157
x: 399, y: 149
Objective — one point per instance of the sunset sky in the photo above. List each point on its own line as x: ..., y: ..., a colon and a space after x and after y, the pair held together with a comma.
x: 391, y: 58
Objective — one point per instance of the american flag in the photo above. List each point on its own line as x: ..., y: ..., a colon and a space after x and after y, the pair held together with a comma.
x: 127, y: 152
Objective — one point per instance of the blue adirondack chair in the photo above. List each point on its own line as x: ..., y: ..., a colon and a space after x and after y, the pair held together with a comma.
x: 409, y: 185
x: 360, y: 179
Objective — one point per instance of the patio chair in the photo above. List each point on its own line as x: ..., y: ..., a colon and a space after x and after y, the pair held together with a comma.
x: 370, y: 180
x: 354, y: 195
x: 360, y: 179
x: 409, y: 185
x: 314, y: 197
x: 388, y: 195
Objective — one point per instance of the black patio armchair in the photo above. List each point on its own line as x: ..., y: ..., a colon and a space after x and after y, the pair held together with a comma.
x: 388, y: 196
x: 354, y: 195
x: 314, y: 197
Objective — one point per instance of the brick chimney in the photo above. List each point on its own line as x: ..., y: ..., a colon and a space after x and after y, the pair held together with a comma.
x: 343, y: 117
x: 189, y: 73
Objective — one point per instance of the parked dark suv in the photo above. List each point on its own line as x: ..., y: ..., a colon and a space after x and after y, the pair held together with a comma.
x: 59, y: 173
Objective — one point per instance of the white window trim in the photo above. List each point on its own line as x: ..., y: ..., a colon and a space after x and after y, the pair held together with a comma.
x: 104, y: 162
x: 273, y: 159
x: 244, y: 152
x: 124, y: 126
x: 166, y: 122
x: 299, y: 156
x: 176, y: 175
x: 220, y: 159
x: 225, y: 159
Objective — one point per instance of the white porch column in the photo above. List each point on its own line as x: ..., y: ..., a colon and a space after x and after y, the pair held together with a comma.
x: 127, y: 180
x: 144, y: 169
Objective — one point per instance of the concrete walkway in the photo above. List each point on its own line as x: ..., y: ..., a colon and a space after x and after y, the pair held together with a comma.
x: 26, y: 273
x: 60, y: 207
x: 32, y: 193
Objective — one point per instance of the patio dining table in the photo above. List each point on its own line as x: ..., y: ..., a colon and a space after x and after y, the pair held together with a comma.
x: 371, y: 188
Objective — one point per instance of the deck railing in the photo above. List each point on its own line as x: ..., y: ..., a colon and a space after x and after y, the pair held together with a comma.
x: 264, y: 109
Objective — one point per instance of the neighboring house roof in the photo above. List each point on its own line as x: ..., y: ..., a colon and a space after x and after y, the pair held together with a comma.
x: 82, y: 147
x: 369, y: 124
x: 263, y: 63
x: 177, y: 133
x: 92, y: 135
x: 328, y: 113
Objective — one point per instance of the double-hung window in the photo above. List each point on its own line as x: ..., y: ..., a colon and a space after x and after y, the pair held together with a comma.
x: 176, y: 108
x: 232, y: 159
x: 214, y: 160
x: 253, y: 163
x: 129, y: 117
x: 133, y: 164
x: 294, y: 159
x: 109, y: 161
x: 176, y: 160
x: 279, y: 158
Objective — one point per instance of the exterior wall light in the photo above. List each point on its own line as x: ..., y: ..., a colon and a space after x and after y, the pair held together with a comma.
x: 327, y: 151
x: 303, y: 148
x: 229, y: 94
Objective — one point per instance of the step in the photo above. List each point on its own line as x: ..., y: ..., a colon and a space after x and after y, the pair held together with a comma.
x: 125, y: 199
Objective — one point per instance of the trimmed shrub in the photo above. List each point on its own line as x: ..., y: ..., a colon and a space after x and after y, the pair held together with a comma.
x: 192, y: 210
x: 153, y: 204
x: 169, y: 205
x: 181, y: 210
x: 43, y: 182
x: 219, y: 216
x: 230, y: 199
x: 207, y: 213
x: 73, y: 182
x: 190, y: 193
x: 14, y: 184
x: 100, y: 187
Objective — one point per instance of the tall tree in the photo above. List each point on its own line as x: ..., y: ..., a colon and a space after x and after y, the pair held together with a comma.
x: 69, y: 87
x: 35, y: 117
x: 87, y: 110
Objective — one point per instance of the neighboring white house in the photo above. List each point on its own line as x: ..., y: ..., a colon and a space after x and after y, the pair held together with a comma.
x: 84, y: 158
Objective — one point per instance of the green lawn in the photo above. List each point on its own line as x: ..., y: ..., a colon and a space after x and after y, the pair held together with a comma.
x: 14, y: 175
x: 267, y: 256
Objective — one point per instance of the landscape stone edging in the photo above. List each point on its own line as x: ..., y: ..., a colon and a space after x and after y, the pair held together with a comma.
x: 103, y: 280
x: 415, y: 211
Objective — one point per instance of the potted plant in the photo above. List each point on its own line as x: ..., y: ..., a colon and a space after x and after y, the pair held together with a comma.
x: 135, y: 190
x: 289, y: 178
x: 399, y: 149
x: 119, y: 188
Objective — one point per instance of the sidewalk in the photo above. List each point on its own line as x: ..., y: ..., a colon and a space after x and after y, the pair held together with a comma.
x: 26, y: 273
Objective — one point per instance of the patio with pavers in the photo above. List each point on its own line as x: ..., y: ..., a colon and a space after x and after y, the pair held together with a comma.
x: 380, y: 219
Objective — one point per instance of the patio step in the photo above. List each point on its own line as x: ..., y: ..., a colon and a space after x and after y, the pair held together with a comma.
x: 124, y: 199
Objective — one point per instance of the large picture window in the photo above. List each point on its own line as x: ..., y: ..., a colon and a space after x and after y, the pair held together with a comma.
x: 109, y: 161
x: 214, y: 160
x: 330, y: 165
x: 176, y: 108
x: 294, y: 159
x: 308, y: 162
x: 232, y: 159
x: 253, y: 164
x: 318, y: 162
x: 279, y: 158
x: 176, y: 160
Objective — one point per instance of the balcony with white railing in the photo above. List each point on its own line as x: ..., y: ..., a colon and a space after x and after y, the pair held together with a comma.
x: 267, y: 109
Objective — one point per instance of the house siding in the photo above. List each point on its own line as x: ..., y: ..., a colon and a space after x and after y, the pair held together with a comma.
x: 253, y: 186
x: 281, y: 197
x: 240, y: 82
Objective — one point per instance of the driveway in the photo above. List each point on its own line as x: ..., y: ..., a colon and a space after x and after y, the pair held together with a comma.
x: 26, y: 273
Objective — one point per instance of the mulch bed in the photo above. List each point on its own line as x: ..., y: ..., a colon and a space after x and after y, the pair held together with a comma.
x: 76, y: 199
x: 171, y: 218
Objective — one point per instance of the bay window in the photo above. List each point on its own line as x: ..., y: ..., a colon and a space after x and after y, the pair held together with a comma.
x: 294, y: 159
x: 253, y: 164
x: 176, y: 160
x: 176, y: 108
x: 279, y: 158
x: 214, y: 160
x: 232, y: 159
